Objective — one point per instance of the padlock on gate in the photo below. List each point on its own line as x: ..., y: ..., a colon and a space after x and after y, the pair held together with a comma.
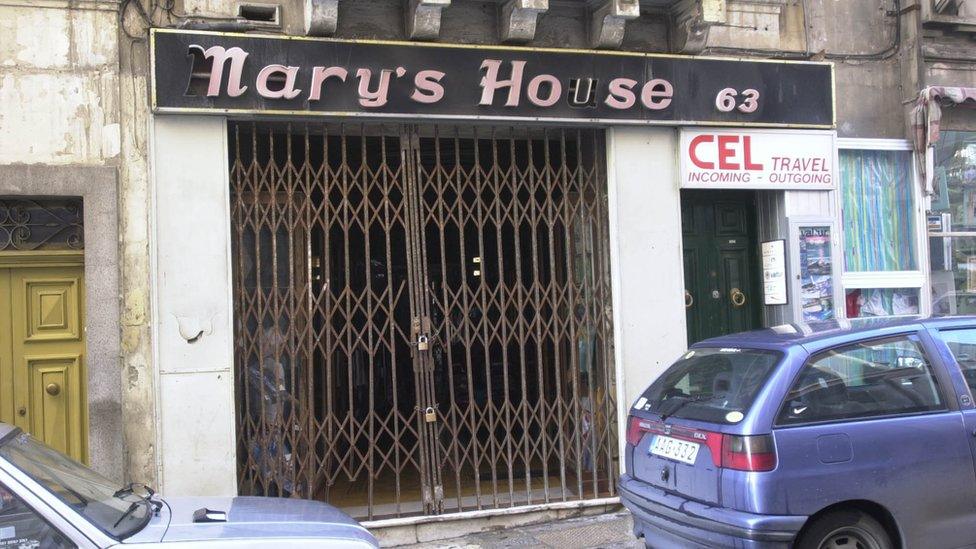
x: 430, y: 416
x: 423, y: 343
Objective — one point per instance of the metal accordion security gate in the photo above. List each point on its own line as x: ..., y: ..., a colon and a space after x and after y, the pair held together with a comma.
x: 422, y: 316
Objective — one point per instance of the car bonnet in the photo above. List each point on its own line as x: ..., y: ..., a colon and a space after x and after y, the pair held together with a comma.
x: 253, y: 518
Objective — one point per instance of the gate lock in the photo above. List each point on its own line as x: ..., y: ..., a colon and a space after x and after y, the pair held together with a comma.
x: 423, y: 343
x: 430, y: 415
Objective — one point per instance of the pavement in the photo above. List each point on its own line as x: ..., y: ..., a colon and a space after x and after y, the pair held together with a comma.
x: 607, y: 531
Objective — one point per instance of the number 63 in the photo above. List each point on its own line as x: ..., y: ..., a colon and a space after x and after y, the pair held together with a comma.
x: 725, y: 101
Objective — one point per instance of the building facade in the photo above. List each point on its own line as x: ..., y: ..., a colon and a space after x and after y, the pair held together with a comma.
x: 418, y: 258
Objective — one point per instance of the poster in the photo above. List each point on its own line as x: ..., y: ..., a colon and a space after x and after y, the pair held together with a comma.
x: 774, y: 272
x: 816, y: 273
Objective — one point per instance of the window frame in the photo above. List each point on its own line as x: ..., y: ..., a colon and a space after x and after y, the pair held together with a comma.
x: 942, y: 380
x: 917, y: 278
x: 939, y: 335
x: 950, y: 234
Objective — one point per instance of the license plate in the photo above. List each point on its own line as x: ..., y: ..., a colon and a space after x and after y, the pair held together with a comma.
x: 676, y: 449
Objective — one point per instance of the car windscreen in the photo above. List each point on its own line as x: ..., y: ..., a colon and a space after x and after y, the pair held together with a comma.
x: 90, y: 494
x: 713, y: 385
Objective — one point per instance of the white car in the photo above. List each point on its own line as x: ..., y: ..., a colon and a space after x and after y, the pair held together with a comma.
x: 47, y: 500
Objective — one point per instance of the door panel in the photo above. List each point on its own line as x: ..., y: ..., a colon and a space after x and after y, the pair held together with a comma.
x: 55, y: 405
x: 718, y: 239
x: 736, y: 277
x: 693, y: 292
x: 7, y: 414
x: 513, y: 258
x: 47, y: 349
x: 52, y: 307
x: 731, y: 219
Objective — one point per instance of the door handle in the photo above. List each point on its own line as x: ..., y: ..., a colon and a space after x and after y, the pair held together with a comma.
x: 689, y: 300
x: 22, y: 411
x: 53, y: 389
x: 738, y: 298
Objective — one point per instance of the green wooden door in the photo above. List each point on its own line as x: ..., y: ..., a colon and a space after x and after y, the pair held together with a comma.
x: 718, y: 236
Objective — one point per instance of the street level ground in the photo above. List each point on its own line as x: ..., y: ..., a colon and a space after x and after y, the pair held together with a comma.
x: 607, y: 531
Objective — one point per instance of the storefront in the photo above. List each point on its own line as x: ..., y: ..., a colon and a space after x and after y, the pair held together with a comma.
x: 416, y: 279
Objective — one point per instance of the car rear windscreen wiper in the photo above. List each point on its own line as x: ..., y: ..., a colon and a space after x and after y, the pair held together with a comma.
x: 685, y: 401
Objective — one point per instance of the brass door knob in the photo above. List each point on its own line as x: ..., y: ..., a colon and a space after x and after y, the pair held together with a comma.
x: 53, y: 389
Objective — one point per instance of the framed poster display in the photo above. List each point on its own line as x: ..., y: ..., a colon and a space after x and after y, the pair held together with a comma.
x: 816, y: 281
x: 774, y: 272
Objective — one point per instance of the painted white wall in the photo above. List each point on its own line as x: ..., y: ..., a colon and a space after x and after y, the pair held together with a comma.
x: 645, y: 258
x: 193, y: 299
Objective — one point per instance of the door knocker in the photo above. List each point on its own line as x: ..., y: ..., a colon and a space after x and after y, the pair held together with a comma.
x: 689, y: 300
x: 738, y: 298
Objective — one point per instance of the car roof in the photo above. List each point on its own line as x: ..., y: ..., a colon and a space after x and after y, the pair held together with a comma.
x: 804, y: 334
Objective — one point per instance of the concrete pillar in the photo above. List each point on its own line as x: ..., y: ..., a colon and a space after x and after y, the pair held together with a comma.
x: 645, y: 259
x: 192, y: 306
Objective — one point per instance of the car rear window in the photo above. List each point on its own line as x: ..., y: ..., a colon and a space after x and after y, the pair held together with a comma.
x: 713, y: 385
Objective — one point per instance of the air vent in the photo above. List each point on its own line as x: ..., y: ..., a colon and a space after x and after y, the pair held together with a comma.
x: 265, y: 15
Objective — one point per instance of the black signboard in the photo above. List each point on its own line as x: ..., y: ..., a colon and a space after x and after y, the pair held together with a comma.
x: 208, y: 72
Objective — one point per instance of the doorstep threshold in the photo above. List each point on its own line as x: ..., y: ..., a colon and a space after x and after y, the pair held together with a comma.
x: 497, y: 512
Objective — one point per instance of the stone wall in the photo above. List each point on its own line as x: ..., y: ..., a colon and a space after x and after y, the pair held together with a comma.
x: 60, y: 129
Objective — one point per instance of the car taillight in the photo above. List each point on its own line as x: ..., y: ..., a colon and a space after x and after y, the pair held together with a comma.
x: 748, y: 453
x: 636, y: 427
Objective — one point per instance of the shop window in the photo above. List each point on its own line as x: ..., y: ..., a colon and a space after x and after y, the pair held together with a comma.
x: 952, y: 224
x: 868, y: 302
x: 879, y: 208
x: 876, y: 378
x: 953, y: 275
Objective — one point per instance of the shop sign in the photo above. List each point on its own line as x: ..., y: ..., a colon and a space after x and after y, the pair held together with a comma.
x: 227, y: 73
x: 757, y: 159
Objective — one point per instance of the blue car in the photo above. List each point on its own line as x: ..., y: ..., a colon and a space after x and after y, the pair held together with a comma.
x: 860, y: 436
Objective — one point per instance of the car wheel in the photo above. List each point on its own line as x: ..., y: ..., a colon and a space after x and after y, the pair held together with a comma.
x: 845, y: 530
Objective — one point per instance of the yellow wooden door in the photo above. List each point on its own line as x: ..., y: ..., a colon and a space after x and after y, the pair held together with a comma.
x: 42, y: 346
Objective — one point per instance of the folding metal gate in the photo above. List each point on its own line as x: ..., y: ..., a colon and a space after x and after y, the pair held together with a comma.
x: 422, y: 316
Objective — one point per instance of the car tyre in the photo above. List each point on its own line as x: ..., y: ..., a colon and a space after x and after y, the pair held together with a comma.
x: 849, y: 529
